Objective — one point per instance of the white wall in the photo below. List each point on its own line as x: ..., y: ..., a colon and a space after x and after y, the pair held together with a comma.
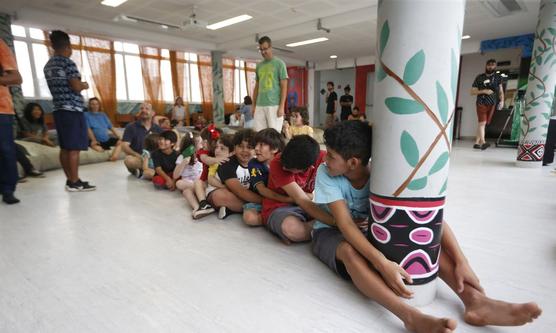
x: 340, y: 77
x: 471, y: 66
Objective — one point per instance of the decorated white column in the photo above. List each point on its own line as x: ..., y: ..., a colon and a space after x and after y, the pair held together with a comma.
x: 540, y: 89
x: 217, y: 88
x: 418, y: 47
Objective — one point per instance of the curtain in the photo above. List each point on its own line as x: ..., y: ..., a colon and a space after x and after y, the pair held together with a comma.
x: 152, y: 81
x: 178, y: 65
x: 100, y: 54
x: 250, y: 77
x: 205, y: 82
x: 228, y: 78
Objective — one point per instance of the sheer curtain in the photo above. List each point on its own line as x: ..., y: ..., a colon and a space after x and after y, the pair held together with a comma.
x: 100, y: 54
x: 152, y: 82
x: 205, y: 80
x: 178, y: 65
x: 250, y: 77
x: 228, y: 78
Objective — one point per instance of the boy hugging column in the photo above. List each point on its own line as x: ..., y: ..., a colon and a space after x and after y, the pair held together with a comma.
x: 417, y: 72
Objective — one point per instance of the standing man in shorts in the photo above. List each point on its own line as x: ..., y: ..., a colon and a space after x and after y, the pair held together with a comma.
x: 64, y: 82
x: 8, y: 163
x: 271, y: 89
x: 490, y: 93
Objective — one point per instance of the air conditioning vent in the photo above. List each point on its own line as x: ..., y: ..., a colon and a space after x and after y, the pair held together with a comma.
x: 500, y: 8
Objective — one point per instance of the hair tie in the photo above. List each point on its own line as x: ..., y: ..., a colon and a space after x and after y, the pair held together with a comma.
x: 214, y: 134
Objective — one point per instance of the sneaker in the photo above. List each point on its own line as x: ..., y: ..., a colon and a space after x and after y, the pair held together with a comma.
x: 224, y: 212
x: 138, y: 173
x: 200, y: 213
x: 35, y: 173
x: 73, y: 187
x: 86, y: 187
x: 204, y: 205
x: 476, y: 146
x: 485, y: 145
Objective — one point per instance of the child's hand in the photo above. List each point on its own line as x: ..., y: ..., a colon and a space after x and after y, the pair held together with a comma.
x: 394, y: 275
x: 222, y: 160
x: 363, y: 224
x: 464, y: 274
x: 170, y: 184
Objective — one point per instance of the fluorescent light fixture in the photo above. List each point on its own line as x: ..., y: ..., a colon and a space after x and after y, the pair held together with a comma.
x: 466, y: 37
x: 230, y: 21
x: 309, y: 41
x: 333, y: 56
x: 123, y: 17
x: 164, y: 26
x: 112, y: 3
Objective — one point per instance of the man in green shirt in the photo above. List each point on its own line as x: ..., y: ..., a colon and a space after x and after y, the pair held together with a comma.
x: 271, y: 89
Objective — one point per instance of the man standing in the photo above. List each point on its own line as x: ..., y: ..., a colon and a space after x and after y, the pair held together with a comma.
x: 134, y: 137
x: 488, y: 89
x: 270, y: 90
x: 9, y: 76
x: 64, y: 82
x: 331, y: 99
x: 346, y: 101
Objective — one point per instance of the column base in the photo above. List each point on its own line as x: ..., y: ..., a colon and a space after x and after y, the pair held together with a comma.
x: 529, y: 164
x: 422, y: 294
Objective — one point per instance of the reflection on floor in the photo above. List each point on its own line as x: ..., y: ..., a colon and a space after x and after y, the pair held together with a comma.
x: 128, y: 258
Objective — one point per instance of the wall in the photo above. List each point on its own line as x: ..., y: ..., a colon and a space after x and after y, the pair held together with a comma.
x: 340, y: 77
x: 472, y: 65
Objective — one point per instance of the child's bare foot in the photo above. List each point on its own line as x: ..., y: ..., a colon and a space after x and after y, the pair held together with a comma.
x: 485, y: 311
x: 113, y: 158
x: 422, y: 323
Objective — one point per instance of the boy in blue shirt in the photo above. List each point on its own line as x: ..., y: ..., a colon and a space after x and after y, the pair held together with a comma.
x: 342, y: 189
x: 268, y: 142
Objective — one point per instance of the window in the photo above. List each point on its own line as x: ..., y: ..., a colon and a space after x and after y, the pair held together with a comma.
x: 240, y: 84
x: 24, y: 67
x: 121, y: 88
x: 40, y: 53
x: 134, y: 77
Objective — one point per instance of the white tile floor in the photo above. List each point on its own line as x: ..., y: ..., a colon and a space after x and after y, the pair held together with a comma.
x: 128, y: 258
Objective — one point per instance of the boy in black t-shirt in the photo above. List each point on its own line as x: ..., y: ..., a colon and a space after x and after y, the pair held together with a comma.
x: 235, y: 175
x: 268, y: 143
x: 164, y: 160
x: 331, y: 99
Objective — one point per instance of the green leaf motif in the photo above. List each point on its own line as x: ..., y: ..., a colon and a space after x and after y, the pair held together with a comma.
x: 531, y: 129
x: 380, y: 73
x: 454, y: 77
x: 539, y: 86
x: 384, y: 35
x: 444, y: 187
x: 545, y: 126
x: 414, y: 68
x: 532, y: 118
x: 409, y: 149
x: 546, y: 116
x: 400, y: 105
x: 440, y: 163
x: 544, y: 78
x: 417, y: 184
x: 442, y: 100
x: 552, y: 31
x: 538, y: 60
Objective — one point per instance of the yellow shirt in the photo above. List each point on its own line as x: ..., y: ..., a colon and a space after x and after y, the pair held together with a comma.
x: 213, y: 169
x: 305, y: 129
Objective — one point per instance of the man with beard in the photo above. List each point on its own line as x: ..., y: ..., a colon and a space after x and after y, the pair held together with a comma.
x: 488, y: 89
x: 134, y: 137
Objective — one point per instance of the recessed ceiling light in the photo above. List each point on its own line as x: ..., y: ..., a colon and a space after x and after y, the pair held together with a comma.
x: 333, y: 56
x: 229, y: 21
x: 112, y: 3
x: 309, y: 41
x: 466, y: 37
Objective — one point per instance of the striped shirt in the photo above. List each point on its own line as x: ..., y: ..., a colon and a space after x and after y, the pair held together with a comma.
x: 492, y: 82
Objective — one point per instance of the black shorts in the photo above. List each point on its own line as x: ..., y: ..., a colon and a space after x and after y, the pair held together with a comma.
x: 325, y: 244
x: 110, y: 143
x: 72, y: 130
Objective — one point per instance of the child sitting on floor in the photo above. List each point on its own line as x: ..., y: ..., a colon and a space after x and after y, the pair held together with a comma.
x: 268, y: 142
x: 342, y: 189
x: 188, y: 169
x: 150, y: 146
x: 209, y: 136
x: 235, y: 175
x: 164, y: 160
x: 299, y: 121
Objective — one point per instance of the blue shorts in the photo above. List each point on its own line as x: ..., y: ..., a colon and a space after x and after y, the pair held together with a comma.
x: 72, y: 130
x: 252, y: 205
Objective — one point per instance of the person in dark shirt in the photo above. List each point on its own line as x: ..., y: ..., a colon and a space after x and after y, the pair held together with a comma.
x: 164, y: 160
x: 331, y: 99
x: 488, y: 89
x: 134, y: 137
x: 346, y: 101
